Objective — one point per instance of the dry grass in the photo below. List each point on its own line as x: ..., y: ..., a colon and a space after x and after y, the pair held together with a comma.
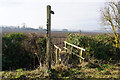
x: 62, y: 71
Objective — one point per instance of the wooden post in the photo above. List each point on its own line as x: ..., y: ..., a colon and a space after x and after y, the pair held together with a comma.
x: 49, y: 11
x: 65, y: 46
x: 80, y: 53
x: 57, y: 54
x: 48, y: 37
x: 71, y: 49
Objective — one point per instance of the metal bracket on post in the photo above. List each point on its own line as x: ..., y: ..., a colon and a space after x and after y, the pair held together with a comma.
x: 49, y: 12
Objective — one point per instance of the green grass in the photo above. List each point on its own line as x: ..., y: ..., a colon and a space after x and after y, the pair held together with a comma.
x: 65, y: 72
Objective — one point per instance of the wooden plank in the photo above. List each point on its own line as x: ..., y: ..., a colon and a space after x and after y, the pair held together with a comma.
x: 57, y: 48
x: 57, y: 52
x: 74, y: 45
x: 80, y: 54
x: 65, y: 44
x: 75, y: 54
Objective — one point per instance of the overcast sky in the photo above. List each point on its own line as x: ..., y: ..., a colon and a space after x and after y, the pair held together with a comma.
x: 69, y: 14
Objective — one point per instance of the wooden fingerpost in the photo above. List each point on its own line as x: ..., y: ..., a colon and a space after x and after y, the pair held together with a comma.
x: 49, y: 11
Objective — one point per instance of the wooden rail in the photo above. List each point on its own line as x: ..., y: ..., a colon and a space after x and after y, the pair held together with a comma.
x: 74, y: 46
x: 59, y: 51
x: 74, y: 53
x: 71, y: 50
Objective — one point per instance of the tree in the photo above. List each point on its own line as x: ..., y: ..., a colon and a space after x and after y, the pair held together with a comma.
x: 110, y: 17
x: 119, y: 14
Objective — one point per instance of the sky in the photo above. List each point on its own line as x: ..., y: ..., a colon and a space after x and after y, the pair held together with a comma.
x: 69, y: 14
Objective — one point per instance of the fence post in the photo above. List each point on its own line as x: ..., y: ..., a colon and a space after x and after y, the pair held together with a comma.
x: 65, y: 46
x: 80, y: 53
x: 57, y: 54
x: 49, y: 11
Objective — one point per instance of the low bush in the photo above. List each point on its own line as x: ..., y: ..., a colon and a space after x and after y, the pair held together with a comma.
x: 18, y: 51
x: 100, y: 46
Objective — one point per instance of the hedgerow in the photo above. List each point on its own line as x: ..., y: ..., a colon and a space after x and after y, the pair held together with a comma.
x: 101, y: 46
x: 18, y: 51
